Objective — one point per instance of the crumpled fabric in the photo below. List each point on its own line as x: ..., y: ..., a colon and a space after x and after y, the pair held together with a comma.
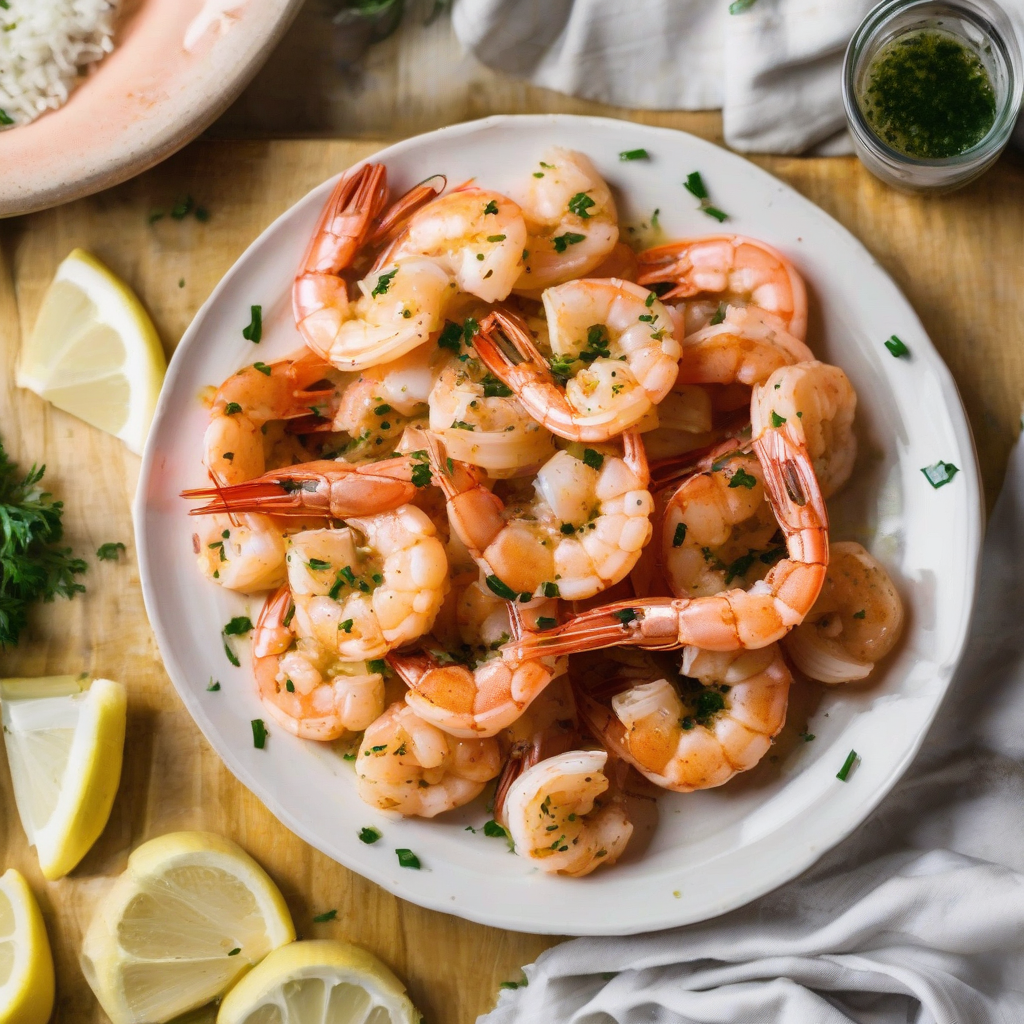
x: 917, y: 918
x: 774, y: 70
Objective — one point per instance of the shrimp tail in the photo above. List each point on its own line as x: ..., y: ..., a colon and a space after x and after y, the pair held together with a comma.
x: 325, y: 488
x: 271, y: 635
x: 394, y: 218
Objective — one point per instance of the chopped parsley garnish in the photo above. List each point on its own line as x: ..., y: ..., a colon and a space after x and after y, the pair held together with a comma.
x: 5, y: 118
x: 259, y: 733
x: 897, y: 347
x: 772, y: 555
x: 679, y: 535
x: 649, y: 301
x: 545, y: 622
x: 494, y: 830
x: 232, y: 408
x: 495, y: 238
x: 383, y: 283
x: 806, y: 736
x: 777, y: 420
x: 470, y: 328
x: 347, y: 625
x: 451, y: 337
x: 289, y: 686
x: 421, y: 475
x: 238, y: 626
x: 741, y: 478
x: 182, y: 208
x: 327, y: 915
x: 714, y: 211
x: 232, y: 657
x: 514, y: 984
x: 235, y: 951
x: 694, y: 184
x: 843, y: 772
x: 568, y: 529
x: 110, y: 552
x: 491, y: 208
x: 494, y: 388
x: 625, y: 615
x: 318, y: 564
x: 254, y: 332
x: 262, y: 368
x: 462, y: 425
x: 861, y: 614
x: 408, y: 859
x: 740, y: 567
x: 593, y: 459
x: 940, y: 474
x: 709, y: 703
x: 378, y: 665
x: 739, y: 6
x: 503, y: 590
x: 580, y: 204
x: 634, y: 154
x: 369, y: 835
x: 213, y: 686
x: 719, y: 315
x: 562, y: 242
x: 551, y: 590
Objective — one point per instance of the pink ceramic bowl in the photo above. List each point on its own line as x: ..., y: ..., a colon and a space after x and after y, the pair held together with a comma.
x: 149, y: 98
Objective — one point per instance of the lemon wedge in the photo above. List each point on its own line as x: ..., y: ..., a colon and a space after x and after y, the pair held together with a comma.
x: 64, y: 739
x: 190, y: 915
x: 26, y: 963
x: 319, y: 982
x: 94, y: 351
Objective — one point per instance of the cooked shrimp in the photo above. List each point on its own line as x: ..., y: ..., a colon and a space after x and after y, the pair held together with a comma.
x: 855, y: 622
x: 734, y: 618
x: 407, y: 765
x: 356, y: 207
x: 698, y: 736
x: 370, y: 586
x: 582, y: 531
x: 322, y: 488
x: 612, y: 340
x: 305, y: 688
x: 819, y: 402
x: 476, y: 236
x: 717, y: 527
x: 570, y: 217
x: 562, y: 817
x: 745, y: 347
x: 244, y: 553
x: 728, y: 268
x: 233, y: 445
x: 483, y: 424
x: 468, y: 688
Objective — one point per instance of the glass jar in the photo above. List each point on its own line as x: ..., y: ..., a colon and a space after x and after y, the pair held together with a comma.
x: 983, y: 28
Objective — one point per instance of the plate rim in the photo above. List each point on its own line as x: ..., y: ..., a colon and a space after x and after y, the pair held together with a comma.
x: 809, y: 855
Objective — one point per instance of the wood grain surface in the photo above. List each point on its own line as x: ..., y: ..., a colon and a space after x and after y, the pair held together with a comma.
x: 959, y: 259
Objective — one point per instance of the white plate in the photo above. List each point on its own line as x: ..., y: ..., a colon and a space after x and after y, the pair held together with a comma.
x: 712, y: 851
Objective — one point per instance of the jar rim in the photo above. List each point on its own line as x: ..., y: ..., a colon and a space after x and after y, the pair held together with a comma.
x: 997, y: 28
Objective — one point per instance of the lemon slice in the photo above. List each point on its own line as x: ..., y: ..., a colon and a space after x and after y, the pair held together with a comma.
x: 94, y: 351
x: 26, y: 964
x: 64, y: 739
x: 190, y: 915
x: 319, y: 982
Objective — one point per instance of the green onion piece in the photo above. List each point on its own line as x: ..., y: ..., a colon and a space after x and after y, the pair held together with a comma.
x: 679, y: 536
x: 259, y: 733
x: 843, y: 772
x: 897, y: 347
x: 232, y: 657
x: 739, y: 6
x: 714, y: 211
x: 634, y: 154
x: 694, y: 184
x: 254, y: 332
x: 408, y: 859
x: 649, y: 301
x: 327, y: 915
x: 451, y: 337
x: 503, y: 590
x: 940, y: 474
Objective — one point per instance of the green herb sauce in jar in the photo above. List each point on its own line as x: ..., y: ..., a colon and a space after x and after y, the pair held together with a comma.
x: 928, y: 95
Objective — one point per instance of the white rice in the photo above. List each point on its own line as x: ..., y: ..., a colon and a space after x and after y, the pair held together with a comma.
x: 45, y: 47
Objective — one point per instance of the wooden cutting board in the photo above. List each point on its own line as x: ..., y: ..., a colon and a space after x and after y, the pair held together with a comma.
x: 960, y: 259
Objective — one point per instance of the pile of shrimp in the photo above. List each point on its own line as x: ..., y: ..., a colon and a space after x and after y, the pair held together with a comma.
x: 510, y: 441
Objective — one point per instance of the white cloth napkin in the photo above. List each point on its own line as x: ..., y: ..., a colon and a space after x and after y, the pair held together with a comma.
x: 917, y: 918
x: 774, y: 69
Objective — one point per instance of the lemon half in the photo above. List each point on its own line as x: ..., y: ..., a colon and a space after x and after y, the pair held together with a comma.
x: 26, y: 963
x: 65, y: 739
x: 94, y: 351
x: 319, y: 982
x: 190, y: 915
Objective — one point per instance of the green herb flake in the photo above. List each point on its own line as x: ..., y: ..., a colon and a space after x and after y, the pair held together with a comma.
x: 649, y: 301
x: 714, y: 211
x: 232, y: 408
x: 844, y: 772
x: 634, y: 154
x: 408, y: 859
x: 494, y: 830
x: 545, y: 622
x: 940, y: 474
x: 235, y: 951
x: 491, y: 208
x: 739, y: 6
x: 625, y: 615
x: 806, y: 736
x: 238, y: 626
x: 213, y: 686
x: 495, y: 238
x: 551, y: 590
x: 110, y: 552
x: 232, y: 657
x: 562, y: 242
x: 369, y: 835
x: 262, y: 368
x: 383, y: 283
x: 259, y: 733
x: 897, y: 347
x: 254, y: 332
x: 503, y: 590
x: 861, y: 614
x: 777, y: 420
x: 327, y: 915
x: 580, y: 204
x: 741, y: 478
x: 593, y: 459
x: 679, y: 535
x: 182, y: 208
x: 719, y: 315
x: 694, y: 184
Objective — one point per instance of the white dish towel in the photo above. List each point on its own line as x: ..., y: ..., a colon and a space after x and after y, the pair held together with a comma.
x: 774, y: 69
x: 917, y: 918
